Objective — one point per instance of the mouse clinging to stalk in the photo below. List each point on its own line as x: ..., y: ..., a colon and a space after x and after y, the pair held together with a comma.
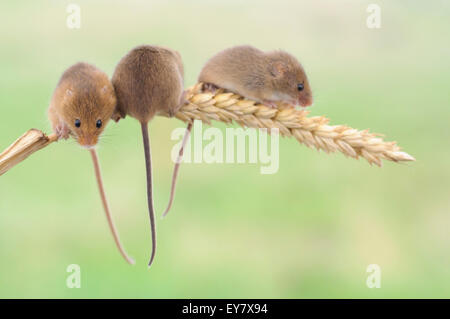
x: 149, y: 81
x: 266, y: 77
x: 81, y: 106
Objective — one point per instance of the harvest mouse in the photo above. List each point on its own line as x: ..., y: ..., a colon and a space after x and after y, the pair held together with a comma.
x: 267, y: 78
x: 148, y: 81
x: 81, y: 106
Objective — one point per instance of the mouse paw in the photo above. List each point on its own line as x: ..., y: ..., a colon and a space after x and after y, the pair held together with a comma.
x: 171, y: 113
x: 209, y: 87
x: 116, y: 116
x: 270, y: 104
x: 62, y: 131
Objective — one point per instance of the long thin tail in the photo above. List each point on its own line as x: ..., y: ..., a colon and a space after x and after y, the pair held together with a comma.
x: 148, y: 166
x: 176, y: 168
x: 106, y: 208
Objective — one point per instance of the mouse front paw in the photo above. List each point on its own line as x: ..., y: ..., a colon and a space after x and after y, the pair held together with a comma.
x: 209, y: 87
x: 117, y: 115
x: 270, y: 104
x: 62, y: 131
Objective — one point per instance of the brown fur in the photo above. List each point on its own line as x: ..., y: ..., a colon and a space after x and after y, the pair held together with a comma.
x: 264, y: 77
x: 148, y: 81
x: 84, y: 92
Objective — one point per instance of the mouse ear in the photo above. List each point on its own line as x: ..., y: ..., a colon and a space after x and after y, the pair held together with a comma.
x: 278, y: 69
x: 68, y: 94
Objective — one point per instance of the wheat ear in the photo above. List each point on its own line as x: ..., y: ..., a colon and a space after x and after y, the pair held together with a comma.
x: 227, y: 107
x: 314, y: 131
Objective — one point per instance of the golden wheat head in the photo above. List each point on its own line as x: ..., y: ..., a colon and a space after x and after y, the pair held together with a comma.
x: 313, y: 131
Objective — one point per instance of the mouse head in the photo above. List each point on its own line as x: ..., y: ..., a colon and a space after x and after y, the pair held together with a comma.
x: 87, y: 110
x: 289, y: 80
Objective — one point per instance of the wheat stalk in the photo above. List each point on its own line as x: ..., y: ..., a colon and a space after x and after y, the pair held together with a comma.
x: 227, y: 107
x: 30, y: 142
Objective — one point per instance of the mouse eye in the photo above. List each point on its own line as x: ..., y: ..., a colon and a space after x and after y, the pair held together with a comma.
x: 99, y: 123
x: 77, y: 123
x: 300, y: 87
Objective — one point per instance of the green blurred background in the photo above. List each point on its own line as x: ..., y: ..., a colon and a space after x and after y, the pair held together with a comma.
x: 310, y: 230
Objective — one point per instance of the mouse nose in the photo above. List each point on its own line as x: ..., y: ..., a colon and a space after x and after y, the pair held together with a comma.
x: 305, y: 101
x: 87, y: 141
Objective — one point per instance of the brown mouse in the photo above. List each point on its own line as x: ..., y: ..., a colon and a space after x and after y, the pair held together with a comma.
x: 267, y: 78
x: 148, y: 81
x: 81, y: 106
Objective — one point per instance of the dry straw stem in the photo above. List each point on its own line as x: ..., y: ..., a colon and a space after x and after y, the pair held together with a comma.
x: 313, y: 131
x: 227, y: 107
x: 24, y: 146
